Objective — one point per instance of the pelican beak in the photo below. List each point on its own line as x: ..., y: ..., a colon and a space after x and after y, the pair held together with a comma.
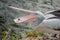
x: 28, y: 18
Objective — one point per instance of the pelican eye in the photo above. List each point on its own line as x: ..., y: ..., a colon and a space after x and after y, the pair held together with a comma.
x: 36, y: 13
x: 18, y: 19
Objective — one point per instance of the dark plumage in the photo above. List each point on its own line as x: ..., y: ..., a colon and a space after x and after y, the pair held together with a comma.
x: 56, y: 13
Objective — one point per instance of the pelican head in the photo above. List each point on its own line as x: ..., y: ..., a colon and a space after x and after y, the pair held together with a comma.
x: 36, y: 18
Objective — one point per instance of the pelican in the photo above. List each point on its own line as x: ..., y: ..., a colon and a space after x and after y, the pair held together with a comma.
x: 46, y: 23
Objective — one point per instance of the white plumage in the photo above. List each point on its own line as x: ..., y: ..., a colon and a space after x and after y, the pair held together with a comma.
x: 50, y: 24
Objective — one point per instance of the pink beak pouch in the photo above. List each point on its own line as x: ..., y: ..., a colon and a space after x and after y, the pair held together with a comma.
x: 28, y: 18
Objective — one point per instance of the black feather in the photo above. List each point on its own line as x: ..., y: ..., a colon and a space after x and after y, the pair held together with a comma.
x: 56, y: 13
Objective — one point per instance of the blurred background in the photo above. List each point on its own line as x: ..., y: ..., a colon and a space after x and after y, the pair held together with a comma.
x: 10, y: 30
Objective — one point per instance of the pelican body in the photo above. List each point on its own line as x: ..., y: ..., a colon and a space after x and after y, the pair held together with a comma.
x: 47, y: 23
